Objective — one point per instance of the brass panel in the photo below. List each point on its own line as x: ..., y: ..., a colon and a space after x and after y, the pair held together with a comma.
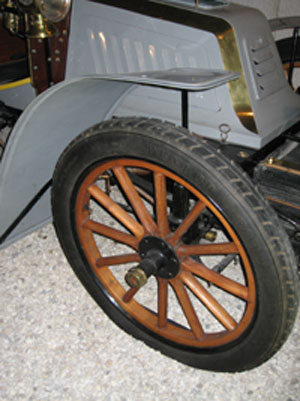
x: 238, y: 88
x: 231, y: 59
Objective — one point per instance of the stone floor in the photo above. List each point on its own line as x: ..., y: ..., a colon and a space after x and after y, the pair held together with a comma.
x: 57, y: 345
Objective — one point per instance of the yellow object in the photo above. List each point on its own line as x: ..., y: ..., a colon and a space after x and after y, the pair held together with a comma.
x: 11, y: 85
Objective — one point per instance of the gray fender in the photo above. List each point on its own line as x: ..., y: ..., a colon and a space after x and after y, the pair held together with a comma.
x: 278, y: 24
x: 41, y: 134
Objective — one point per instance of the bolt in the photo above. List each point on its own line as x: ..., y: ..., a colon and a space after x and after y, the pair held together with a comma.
x: 136, y: 277
x: 271, y: 160
x: 243, y: 155
x: 210, y: 236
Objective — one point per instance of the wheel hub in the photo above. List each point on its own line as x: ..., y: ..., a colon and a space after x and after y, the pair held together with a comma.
x: 162, y: 254
x: 158, y: 258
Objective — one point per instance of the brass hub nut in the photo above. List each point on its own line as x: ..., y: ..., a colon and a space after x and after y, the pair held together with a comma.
x: 136, y: 277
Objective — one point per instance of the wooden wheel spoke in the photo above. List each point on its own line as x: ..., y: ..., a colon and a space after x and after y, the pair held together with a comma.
x: 145, y: 195
x: 117, y: 211
x: 162, y: 304
x: 209, y: 301
x: 161, y: 203
x: 130, y: 294
x: 111, y: 233
x: 188, y: 308
x: 217, y: 279
x: 207, y: 249
x: 187, y: 222
x: 118, y: 259
x: 135, y: 199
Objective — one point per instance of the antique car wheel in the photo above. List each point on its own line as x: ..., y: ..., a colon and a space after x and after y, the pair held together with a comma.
x: 175, y: 244
x: 285, y: 47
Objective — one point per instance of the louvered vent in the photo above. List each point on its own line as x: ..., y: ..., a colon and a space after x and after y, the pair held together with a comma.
x: 265, y: 68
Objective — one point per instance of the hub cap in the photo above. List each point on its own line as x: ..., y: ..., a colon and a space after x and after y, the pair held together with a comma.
x: 166, y: 260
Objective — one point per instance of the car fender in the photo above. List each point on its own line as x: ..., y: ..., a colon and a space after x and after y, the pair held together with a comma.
x: 39, y: 137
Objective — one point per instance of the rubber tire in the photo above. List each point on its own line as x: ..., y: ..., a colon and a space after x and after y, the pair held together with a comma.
x: 256, y: 224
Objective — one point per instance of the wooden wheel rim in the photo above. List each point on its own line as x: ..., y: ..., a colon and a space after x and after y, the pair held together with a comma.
x: 194, y: 335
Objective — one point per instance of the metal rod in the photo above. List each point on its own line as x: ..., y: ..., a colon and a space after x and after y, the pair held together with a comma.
x: 184, y: 108
x: 293, y: 55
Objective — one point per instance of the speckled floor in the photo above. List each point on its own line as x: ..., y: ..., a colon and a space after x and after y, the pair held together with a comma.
x: 57, y: 345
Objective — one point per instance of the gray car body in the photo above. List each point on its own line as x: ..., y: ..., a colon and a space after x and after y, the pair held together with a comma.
x: 110, y: 39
